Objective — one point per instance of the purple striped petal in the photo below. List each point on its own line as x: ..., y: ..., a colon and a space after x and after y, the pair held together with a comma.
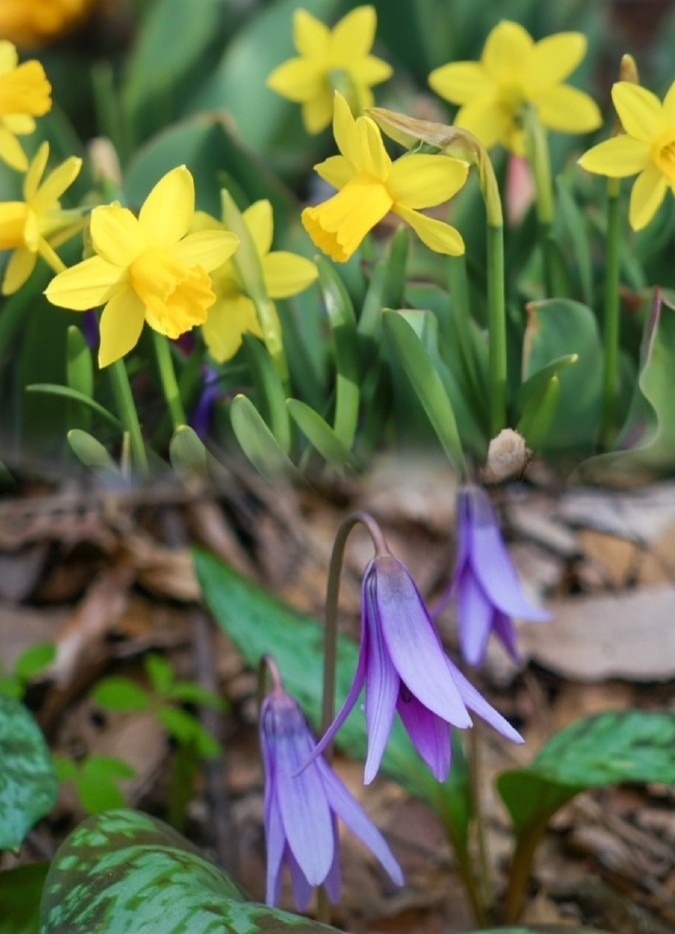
x: 475, y: 615
x: 351, y: 812
x: 302, y: 890
x: 492, y: 564
x: 503, y: 628
x: 430, y: 735
x: 333, y: 881
x: 382, y: 684
x: 275, y: 844
x: 475, y: 701
x: 412, y: 642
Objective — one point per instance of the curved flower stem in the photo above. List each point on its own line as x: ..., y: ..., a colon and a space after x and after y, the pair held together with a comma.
x: 127, y: 410
x: 611, y: 318
x: 167, y: 376
x: 496, y: 328
x: 332, y: 594
x: 520, y: 870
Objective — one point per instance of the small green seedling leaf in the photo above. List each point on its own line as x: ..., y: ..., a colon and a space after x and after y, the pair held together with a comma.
x: 159, y: 671
x: 320, y: 434
x: 27, y: 776
x: 185, y: 728
x: 187, y: 453
x: 257, y: 441
x: 118, y: 693
x: 55, y: 390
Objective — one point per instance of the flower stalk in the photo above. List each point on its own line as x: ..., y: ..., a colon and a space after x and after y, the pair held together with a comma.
x: 538, y: 155
x: 612, y: 321
x: 167, y: 377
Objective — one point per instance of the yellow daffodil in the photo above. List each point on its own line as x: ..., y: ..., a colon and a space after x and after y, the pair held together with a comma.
x: 146, y: 268
x: 34, y: 22
x: 233, y: 313
x: 371, y: 185
x: 25, y: 93
x: 36, y: 225
x: 647, y: 146
x: 330, y: 59
x: 514, y: 72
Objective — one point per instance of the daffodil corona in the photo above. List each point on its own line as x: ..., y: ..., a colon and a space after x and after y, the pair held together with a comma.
x: 233, y: 313
x: 647, y: 147
x: 146, y: 269
x: 328, y: 60
x: 515, y: 72
x: 25, y: 93
x: 36, y: 225
x: 371, y: 185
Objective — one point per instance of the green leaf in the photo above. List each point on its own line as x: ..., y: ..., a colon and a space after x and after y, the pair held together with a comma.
x: 269, y: 391
x: 258, y: 623
x: 91, y: 452
x: 79, y: 365
x: 34, y: 660
x: 626, y: 746
x: 159, y: 671
x: 187, y: 453
x: 320, y: 434
x: 190, y: 693
x: 55, y: 390
x: 559, y: 328
x: 534, y: 388
x: 427, y: 385
x: 96, y: 783
x: 123, y: 871
x: 257, y: 441
x: 20, y: 893
x: 185, y: 728
x: 535, y: 423
x: 118, y: 693
x: 27, y: 779
x: 343, y: 326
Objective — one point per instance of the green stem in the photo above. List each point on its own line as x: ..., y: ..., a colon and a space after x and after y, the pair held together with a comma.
x: 540, y: 162
x: 465, y: 870
x: 167, y: 376
x: 496, y: 328
x: 474, y: 755
x: 611, y: 318
x: 460, y: 332
x: 520, y: 871
x: 128, y: 414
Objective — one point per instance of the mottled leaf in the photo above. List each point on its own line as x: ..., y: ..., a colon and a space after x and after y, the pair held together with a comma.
x: 27, y: 778
x: 20, y: 893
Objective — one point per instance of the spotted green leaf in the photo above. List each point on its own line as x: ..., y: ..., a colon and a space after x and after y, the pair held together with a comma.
x: 27, y: 779
x: 124, y: 871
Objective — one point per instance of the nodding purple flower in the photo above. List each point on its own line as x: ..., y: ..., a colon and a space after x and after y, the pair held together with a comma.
x: 202, y: 415
x: 484, y: 582
x: 302, y: 806
x: 405, y: 669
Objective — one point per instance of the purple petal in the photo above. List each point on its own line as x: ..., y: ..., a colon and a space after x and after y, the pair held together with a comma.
x: 302, y: 890
x: 461, y: 559
x: 492, y: 564
x: 351, y: 812
x: 503, y: 628
x: 304, y: 809
x: 333, y: 881
x: 476, y: 702
x: 412, y: 642
x: 430, y: 735
x: 275, y: 844
x: 382, y: 684
x: 474, y: 617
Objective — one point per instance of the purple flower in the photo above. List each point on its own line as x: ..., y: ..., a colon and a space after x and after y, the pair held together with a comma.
x: 485, y: 582
x: 301, y: 807
x: 404, y: 668
x: 202, y: 414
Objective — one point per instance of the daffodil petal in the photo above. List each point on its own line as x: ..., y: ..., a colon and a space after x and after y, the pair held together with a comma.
x: 374, y: 158
x: 553, y: 59
x: 298, y: 80
x: 85, y: 285
x: 120, y: 326
x: 339, y: 225
x: 370, y: 70
x: 21, y: 264
x: 646, y: 197
x: 287, y: 274
x: 19, y: 124
x: 486, y: 120
x: 617, y: 157
x: 336, y: 170
x: 568, y: 110
x: 260, y: 223
x: 639, y: 110
x: 206, y: 248
x: 422, y: 181
x: 9, y: 57
x: 13, y: 219
x: 461, y: 82
x: 116, y: 234
x: 354, y: 35
x: 11, y: 151
x: 310, y: 35
x: 505, y: 50
x: 317, y: 113
x: 56, y: 183
x: 36, y: 170
x: 168, y: 210
x: 345, y: 132
x: 438, y: 236
x: 228, y: 320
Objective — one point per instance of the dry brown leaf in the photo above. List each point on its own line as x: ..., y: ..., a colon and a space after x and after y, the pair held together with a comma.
x: 629, y: 635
